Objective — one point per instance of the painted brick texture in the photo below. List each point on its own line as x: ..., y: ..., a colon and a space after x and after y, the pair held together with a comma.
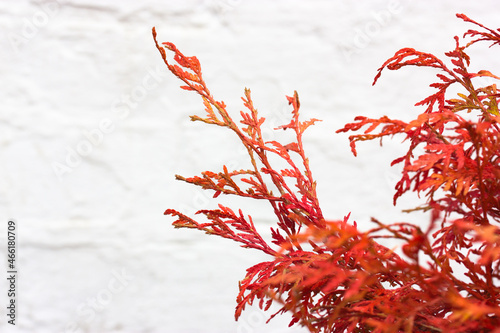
x: 93, y: 129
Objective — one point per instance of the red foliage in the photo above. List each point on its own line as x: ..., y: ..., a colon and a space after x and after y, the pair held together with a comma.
x: 333, y: 277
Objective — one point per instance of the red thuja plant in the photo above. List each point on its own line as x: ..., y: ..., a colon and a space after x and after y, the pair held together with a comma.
x: 330, y: 275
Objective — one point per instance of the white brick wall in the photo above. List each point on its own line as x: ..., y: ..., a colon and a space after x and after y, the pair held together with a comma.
x: 95, y: 252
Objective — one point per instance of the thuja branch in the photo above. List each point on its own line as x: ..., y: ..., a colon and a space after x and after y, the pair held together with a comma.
x: 333, y: 277
x: 303, y: 205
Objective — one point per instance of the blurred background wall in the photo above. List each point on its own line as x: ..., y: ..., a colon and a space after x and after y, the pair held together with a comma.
x: 93, y: 129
